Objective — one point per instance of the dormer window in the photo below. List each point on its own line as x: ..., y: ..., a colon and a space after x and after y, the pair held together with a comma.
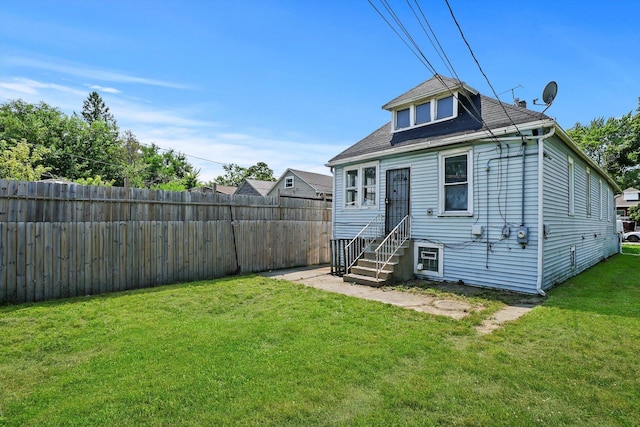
x: 425, y: 113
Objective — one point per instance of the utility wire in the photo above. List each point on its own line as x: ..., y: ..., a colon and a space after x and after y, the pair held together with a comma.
x: 479, y: 66
x: 425, y: 61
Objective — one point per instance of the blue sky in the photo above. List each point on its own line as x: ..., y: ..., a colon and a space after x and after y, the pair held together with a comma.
x: 294, y: 82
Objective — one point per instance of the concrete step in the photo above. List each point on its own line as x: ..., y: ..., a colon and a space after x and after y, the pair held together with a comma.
x: 364, y: 280
x: 368, y: 263
x: 371, y: 272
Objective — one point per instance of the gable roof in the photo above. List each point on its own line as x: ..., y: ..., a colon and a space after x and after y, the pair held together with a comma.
x: 260, y: 187
x: 321, y: 183
x: 435, y: 85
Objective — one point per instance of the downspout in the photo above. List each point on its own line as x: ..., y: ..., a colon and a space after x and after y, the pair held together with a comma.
x: 540, y: 208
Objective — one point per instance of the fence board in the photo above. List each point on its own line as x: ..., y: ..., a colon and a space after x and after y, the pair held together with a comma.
x: 59, y: 240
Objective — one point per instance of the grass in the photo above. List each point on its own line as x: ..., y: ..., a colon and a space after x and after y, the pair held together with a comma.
x: 631, y: 248
x: 256, y: 351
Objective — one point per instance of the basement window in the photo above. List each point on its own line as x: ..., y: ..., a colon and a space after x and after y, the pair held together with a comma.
x: 428, y: 259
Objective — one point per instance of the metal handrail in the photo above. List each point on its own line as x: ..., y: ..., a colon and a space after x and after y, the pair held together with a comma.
x: 390, y: 245
x: 359, y: 244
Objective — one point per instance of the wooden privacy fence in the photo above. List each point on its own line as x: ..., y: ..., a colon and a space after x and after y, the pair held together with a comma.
x: 64, y: 240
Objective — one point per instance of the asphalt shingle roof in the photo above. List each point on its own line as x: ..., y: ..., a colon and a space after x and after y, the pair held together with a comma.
x: 495, y: 115
x: 320, y: 183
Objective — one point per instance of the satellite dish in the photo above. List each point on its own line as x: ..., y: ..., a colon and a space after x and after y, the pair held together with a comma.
x: 549, y: 93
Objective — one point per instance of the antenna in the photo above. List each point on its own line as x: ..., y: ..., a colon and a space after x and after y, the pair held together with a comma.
x: 548, y: 95
x: 512, y: 90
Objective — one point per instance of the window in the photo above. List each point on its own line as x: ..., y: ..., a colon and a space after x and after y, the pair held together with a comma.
x: 456, y: 186
x: 572, y: 186
x: 600, y: 200
x: 402, y: 118
x: 444, y: 108
x: 588, y: 191
x: 361, y: 186
x: 288, y: 182
x: 428, y: 259
x: 424, y: 113
x: 608, y: 205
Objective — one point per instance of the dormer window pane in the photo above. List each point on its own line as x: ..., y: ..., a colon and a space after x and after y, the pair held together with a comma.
x: 423, y: 113
x: 402, y: 119
x: 445, y: 108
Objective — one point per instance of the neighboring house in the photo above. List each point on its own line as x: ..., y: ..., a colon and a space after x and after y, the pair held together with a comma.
x: 216, y: 188
x: 629, y: 197
x: 487, y: 193
x: 254, y: 187
x: 304, y: 185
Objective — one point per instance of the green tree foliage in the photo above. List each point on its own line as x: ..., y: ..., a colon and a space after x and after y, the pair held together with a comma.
x: 94, y: 109
x: 614, y: 144
x: 234, y: 174
x: 20, y: 160
x: 90, y: 148
x: 634, y: 213
x: 166, y: 171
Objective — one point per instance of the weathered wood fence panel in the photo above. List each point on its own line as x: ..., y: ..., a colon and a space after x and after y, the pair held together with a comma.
x: 65, y: 240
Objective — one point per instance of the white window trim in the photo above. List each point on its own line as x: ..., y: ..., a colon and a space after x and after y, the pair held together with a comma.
x: 608, y: 206
x: 359, y: 185
x: 286, y: 181
x: 416, y: 257
x: 571, y: 171
x: 600, y: 204
x: 588, y: 190
x: 433, y: 106
x: 441, y: 198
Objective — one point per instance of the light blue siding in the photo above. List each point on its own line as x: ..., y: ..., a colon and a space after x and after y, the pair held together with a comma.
x: 593, y: 239
x: 495, y: 258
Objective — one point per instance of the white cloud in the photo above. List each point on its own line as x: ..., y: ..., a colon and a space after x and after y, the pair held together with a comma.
x: 104, y: 89
x: 80, y: 70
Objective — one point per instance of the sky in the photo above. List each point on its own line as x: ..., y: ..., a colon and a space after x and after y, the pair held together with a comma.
x: 292, y: 83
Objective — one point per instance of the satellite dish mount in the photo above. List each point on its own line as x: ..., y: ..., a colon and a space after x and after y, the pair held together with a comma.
x: 548, y: 95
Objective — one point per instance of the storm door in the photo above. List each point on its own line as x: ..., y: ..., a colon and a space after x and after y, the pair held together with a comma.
x: 397, y: 197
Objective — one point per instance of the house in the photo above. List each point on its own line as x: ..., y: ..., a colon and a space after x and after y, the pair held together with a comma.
x: 629, y: 197
x: 304, y: 185
x: 254, y: 187
x: 216, y: 188
x: 461, y: 187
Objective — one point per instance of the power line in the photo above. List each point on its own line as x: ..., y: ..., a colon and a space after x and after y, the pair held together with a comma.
x: 425, y: 61
x: 479, y: 66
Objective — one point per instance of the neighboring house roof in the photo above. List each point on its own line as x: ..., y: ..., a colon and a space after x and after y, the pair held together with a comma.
x: 255, y: 186
x: 225, y: 189
x: 323, y: 184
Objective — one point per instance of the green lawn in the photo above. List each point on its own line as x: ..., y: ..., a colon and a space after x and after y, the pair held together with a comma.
x: 631, y: 248
x: 255, y: 351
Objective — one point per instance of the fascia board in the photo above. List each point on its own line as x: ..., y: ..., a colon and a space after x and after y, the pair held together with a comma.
x: 443, y: 142
x: 574, y: 147
x: 407, y: 101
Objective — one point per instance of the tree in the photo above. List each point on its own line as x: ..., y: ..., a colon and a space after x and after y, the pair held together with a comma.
x: 634, y: 213
x: 94, y: 108
x: 20, y: 160
x: 234, y: 174
x: 167, y: 171
x: 614, y: 144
